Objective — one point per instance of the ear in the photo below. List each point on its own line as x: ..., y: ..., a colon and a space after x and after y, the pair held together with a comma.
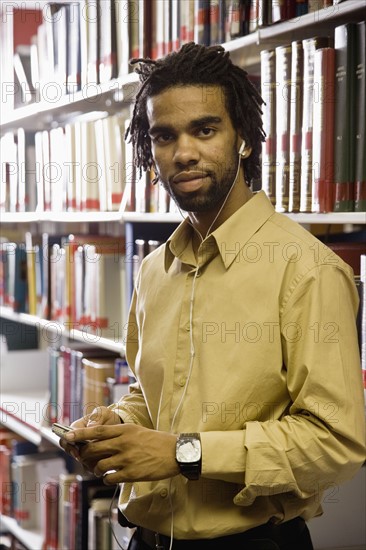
x: 243, y: 150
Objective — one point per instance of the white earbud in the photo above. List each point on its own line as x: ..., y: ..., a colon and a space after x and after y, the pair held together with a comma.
x: 242, y: 148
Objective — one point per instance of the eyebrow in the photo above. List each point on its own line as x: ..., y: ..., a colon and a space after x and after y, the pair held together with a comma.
x: 197, y: 123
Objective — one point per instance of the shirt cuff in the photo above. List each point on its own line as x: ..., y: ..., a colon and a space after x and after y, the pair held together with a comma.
x: 224, y: 455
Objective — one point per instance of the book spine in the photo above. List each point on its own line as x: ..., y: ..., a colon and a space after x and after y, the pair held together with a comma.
x: 296, y: 100
x: 123, y: 37
x: 283, y: 75
x: 360, y: 85
x: 108, y: 41
x: 344, y: 43
x: 214, y: 22
x: 309, y: 45
x: 323, y: 142
x: 268, y: 84
x: 73, y: 48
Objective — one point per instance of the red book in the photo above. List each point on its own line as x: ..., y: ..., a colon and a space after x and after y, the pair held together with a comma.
x: 51, y: 500
x: 5, y: 480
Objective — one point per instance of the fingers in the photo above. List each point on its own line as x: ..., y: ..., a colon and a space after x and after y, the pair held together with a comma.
x: 92, y: 433
x: 103, y: 415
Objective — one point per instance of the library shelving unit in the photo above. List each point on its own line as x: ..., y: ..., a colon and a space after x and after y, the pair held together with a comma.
x: 113, y: 97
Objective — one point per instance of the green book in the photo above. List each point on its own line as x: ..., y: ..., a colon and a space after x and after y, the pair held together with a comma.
x: 344, y: 146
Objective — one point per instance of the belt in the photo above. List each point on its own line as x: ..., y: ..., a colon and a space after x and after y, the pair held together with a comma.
x: 265, y: 537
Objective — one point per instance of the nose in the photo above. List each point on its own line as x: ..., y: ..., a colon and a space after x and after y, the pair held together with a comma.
x: 186, y: 150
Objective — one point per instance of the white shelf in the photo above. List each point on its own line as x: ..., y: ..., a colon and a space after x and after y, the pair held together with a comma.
x: 59, y: 329
x: 110, y: 97
x: 88, y: 217
x: 329, y: 218
x: 121, y: 217
x: 24, y: 412
x: 31, y: 539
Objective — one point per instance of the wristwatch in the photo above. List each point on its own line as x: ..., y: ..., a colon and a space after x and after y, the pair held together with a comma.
x: 188, y: 455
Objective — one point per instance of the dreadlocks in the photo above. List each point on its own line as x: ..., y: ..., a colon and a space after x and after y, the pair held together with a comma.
x: 193, y: 65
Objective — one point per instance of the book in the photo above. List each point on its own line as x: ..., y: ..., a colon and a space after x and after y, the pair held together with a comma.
x: 5, y: 480
x: 114, y: 165
x: 268, y: 91
x: 54, y: 173
x: 77, y: 375
x: 73, y: 51
x: 108, y: 41
x: 123, y: 30
x: 309, y: 46
x: 99, y: 535
x: 89, y: 488
x: 96, y: 372
x: 60, y: 37
x: 30, y: 474
x: 70, y: 164
x: 9, y: 173
x: 91, y: 182
x: 65, y: 509
x: 145, y: 29
x: 29, y: 172
x: 45, y: 180
x: 74, y: 525
x: 202, y: 22
x: 360, y: 102
x: 264, y: 13
x: 323, y: 141
x: 296, y: 106
x: 92, y: 15
x: 31, y: 274
x: 134, y: 28
x: 16, y: 272
x: 344, y: 142
x: 51, y: 514
x: 47, y: 258
x: 283, y: 75
x: 53, y: 411
x: 22, y: 68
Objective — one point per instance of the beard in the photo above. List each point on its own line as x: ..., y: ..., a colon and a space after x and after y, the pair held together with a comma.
x: 204, y: 200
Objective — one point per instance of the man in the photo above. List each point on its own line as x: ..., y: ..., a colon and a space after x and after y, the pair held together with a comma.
x: 248, y: 402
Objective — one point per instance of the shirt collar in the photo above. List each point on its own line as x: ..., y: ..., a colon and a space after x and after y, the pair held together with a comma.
x: 230, y: 237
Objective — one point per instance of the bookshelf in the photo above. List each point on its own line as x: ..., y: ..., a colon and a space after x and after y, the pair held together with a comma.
x: 99, y: 100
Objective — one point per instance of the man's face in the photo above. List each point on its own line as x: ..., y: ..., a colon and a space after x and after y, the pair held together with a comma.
x: 194, y: 145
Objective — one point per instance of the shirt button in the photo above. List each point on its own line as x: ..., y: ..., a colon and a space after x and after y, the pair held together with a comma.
x: 164, y: 493
x: 188, y: 327
x: 182, y: 381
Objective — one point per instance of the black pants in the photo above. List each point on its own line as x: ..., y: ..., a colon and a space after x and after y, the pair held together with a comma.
x: 292, y: 535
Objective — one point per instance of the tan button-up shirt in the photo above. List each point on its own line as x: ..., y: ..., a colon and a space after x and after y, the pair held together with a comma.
x: 254, y: 345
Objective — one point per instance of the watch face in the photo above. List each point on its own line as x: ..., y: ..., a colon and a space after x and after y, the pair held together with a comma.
x: 189, y: 451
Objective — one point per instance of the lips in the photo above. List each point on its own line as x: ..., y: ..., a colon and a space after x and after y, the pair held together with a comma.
x: 190, y: 181
x: 189, y: 176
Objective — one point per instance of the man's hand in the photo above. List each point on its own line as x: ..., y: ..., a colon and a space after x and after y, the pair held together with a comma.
x: 99, y: 416
x: 130, y: 452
